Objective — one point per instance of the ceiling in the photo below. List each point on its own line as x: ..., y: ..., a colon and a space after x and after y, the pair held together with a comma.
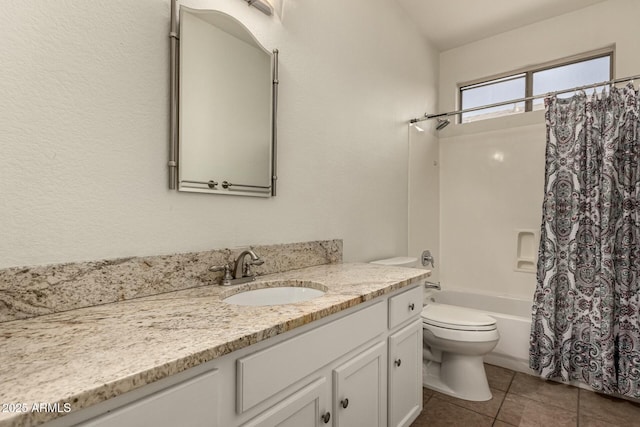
x: 452, y: 23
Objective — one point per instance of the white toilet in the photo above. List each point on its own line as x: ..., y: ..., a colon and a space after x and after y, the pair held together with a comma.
x: 455, y: 339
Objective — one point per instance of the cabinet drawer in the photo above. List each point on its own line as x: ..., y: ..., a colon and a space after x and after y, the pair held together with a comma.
x: 405, y: 306
x: 192, y: 403
x: 269, y: 371
x: 302, y: 408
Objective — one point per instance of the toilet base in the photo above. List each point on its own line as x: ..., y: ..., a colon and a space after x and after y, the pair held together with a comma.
x: 457, y: 375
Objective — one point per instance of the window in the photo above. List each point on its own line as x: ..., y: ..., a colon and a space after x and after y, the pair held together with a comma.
x: 534, y: 81
x: 491, y: 92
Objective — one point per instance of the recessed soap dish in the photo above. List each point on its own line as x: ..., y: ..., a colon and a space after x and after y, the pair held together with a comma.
x: 526, y: 250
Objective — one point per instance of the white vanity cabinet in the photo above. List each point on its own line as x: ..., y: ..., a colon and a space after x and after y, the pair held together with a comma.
x: 405, y: 357
x: 377, y: 381
x: 352, y: 393
x: 347, y: 354
x: 358, y: 367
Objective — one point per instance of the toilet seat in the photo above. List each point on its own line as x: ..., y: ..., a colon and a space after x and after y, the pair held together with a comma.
x: 456, y: 318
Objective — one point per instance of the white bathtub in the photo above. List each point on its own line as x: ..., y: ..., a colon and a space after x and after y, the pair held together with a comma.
x: 513, y: 317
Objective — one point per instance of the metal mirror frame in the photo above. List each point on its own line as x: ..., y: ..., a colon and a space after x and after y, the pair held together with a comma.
x: 210, y: 187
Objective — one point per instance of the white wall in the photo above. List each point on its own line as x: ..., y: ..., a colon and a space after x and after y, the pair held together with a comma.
x: 84, y: 119
x: 492, y: 172
x: 424, y: 192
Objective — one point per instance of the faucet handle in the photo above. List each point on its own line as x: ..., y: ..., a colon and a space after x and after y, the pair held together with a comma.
x: 427, y: 259
x: 219, y: 267
x: 226, y: 279
x: 247, y: 267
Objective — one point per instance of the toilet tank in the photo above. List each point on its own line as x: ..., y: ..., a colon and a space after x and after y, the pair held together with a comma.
x: 398, y: 262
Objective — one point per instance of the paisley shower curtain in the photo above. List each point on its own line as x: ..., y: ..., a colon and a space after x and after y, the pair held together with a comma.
x: 586, y: 320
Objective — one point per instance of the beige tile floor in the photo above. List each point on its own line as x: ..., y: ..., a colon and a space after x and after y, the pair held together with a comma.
x: 526, y: 401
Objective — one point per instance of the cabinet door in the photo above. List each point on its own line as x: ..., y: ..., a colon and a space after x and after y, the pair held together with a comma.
x: 192, y: 403
x: 359, y: 390
x: 405, y: 375
x: 263, y: 374
x: 304, y: 408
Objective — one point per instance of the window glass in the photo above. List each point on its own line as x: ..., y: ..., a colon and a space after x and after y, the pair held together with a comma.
x: 568, y: 76
x: 536, y: 81
x: 498, y: 90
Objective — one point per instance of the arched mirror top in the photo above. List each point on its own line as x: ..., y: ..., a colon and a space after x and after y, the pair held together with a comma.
x: 228, y: 24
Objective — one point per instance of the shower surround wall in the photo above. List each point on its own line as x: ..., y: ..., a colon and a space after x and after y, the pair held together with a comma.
x: 84, y: 116
x: 492, y: 172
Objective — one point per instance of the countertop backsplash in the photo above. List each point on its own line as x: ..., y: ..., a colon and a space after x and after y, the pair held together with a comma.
x: 34, y: 291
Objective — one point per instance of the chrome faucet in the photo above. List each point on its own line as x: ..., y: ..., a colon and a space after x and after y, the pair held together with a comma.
x: 238, y: 271
x: 432, y: 285
x: 242, y: 270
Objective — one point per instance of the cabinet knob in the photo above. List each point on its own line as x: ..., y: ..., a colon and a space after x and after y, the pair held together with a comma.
x: 398, y: 362
x: 344, y: 403
x: 412, y: 306
x: 325, y: 417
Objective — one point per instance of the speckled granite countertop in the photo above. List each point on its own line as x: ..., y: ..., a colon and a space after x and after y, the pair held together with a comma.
x: 88, y: 355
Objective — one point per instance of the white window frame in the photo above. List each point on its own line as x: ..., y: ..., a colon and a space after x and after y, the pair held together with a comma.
x: 530, y: 71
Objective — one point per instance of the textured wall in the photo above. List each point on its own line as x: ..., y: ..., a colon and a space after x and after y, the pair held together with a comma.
x: 84, y: 119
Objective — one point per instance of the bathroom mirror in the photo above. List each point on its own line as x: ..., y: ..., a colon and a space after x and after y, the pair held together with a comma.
x: 225, y: 113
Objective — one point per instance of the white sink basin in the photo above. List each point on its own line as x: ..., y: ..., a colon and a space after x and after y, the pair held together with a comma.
x: 280, y: 294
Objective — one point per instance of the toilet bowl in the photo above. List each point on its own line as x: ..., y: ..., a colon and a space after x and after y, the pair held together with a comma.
x: 455, y: 339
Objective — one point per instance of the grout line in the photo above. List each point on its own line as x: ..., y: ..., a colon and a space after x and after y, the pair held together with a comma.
x: 554, y: 404
x: 465, y: 408
x: 505, y: 397
x: 503, y: 422
x: 495, y: 418
x: 578, y: 408
x: 424, y: 402
x: 511, y: 382
x: 434, y: 395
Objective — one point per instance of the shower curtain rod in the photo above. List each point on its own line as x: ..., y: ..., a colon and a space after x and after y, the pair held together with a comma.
x: 526, y: 98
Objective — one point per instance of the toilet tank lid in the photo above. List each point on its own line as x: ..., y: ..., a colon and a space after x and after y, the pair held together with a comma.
x: 398, y: 261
